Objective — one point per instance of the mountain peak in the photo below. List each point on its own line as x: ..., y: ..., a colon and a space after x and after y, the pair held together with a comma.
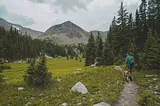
x: 66, y: 33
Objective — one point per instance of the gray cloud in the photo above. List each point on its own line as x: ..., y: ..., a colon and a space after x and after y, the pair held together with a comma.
x: 20, y: 19
x: 3, y: 11
x: 72, y: 4
x: 88, y: 14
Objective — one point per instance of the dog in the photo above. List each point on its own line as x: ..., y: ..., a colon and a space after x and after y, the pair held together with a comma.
x: 127, y: 75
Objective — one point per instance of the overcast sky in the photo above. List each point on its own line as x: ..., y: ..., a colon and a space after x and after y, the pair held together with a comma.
x: 42, y: 14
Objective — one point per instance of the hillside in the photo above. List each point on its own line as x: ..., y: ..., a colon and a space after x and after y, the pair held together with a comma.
x: 66, y: 33
x: 7, y: 25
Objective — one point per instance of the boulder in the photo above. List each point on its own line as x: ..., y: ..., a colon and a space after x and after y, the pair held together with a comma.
x: 118, y: 68
x: 79, y: 87
x: 102, y: 104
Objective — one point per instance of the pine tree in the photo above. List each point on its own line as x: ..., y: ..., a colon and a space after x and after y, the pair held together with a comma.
x: 149, y: 50
x: 138, y: 30
x: 30, y: 73
x: 122, y: 17
x: 108, y: 56
x: 99, y: 48
x: 154, y: 15
x: 38, y: 75
x: 90, y: 51
x: 143, y: 19
x: 153, y: 60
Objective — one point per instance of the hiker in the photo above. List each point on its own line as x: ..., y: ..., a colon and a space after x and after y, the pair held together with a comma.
x: 129, y: 62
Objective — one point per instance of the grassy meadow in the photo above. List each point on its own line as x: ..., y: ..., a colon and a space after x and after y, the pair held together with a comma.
x: 103, y: 83
x: 149, y: 87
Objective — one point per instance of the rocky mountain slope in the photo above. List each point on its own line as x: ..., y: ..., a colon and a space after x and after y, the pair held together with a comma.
x: 66, y: 33
x: 69, y: 33
x: 23, y: 30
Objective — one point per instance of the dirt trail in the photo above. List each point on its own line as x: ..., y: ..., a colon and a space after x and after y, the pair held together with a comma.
x: 128, y: 95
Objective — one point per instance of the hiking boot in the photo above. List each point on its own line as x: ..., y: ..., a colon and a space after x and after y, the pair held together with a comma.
x: 130, y: 78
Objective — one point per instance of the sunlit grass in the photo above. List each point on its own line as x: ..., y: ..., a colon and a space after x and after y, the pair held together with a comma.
x: 101, y: 83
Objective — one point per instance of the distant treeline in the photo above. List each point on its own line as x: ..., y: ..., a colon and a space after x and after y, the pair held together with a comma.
x: 15, y: 46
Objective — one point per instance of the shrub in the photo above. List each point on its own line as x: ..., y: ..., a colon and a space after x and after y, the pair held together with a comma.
x: 3, y: 67
x: 37, y: 75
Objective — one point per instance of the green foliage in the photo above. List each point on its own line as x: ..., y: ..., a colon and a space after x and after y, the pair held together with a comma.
x: 37, y: 75
x: 90, y: 51
x: 147, y: 97
x: 100, y: 81
x: 1, y: 79
x: 108, y: 56
x: 99, y: 46
x: 152, y: 52
x: 3, y: 67
x: 15, y: 46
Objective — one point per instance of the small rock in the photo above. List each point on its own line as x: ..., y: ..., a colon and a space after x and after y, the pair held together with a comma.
x: 32, y: 98
x: 148, y: 76
x: 91, y: 100
x: 41, y: 94
x: 156, y: 93
x: 79, y: 69
x: 20, y: 88
x: 59, y: 80
x: 4, y: 78
x: 79, y: 87
x: 27, y: 104
x: 102, y: 104
x: 76, y: 72
x: 150, y: 87
x: 117, y: 83
x: 118, y: 68
x: 64, y: 104
x: 84, y: 98
x: 156, y: 88
x: 79, y: 103
x: 155, y: 79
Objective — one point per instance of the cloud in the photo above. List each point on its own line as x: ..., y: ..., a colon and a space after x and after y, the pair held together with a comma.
x: 3, y: 11
x: 42, y: 14
x: 20, y: 19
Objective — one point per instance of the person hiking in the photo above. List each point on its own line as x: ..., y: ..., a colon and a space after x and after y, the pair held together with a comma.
x: 129, y: 63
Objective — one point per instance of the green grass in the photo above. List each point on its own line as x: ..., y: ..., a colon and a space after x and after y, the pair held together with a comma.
x: 147, y: 85
x: 100, y: 81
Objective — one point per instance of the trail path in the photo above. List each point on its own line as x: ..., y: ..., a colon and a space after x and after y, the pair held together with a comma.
x: 128, y: 95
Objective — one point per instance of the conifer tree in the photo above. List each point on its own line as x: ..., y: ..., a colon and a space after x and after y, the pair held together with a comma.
x: 90, y: 51
x: 99, y: 48
x: 108, y: 56
x: 143, y: 20
x: 153, y: 60
x: 38, y: 75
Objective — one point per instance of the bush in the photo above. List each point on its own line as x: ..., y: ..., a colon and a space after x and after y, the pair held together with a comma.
x: 1, y: 78
x: 3, y: 67
x: 37, y: 75
x: 119, y: 62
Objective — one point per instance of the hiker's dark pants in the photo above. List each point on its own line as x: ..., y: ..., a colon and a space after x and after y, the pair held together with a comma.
x: 131, y: 67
